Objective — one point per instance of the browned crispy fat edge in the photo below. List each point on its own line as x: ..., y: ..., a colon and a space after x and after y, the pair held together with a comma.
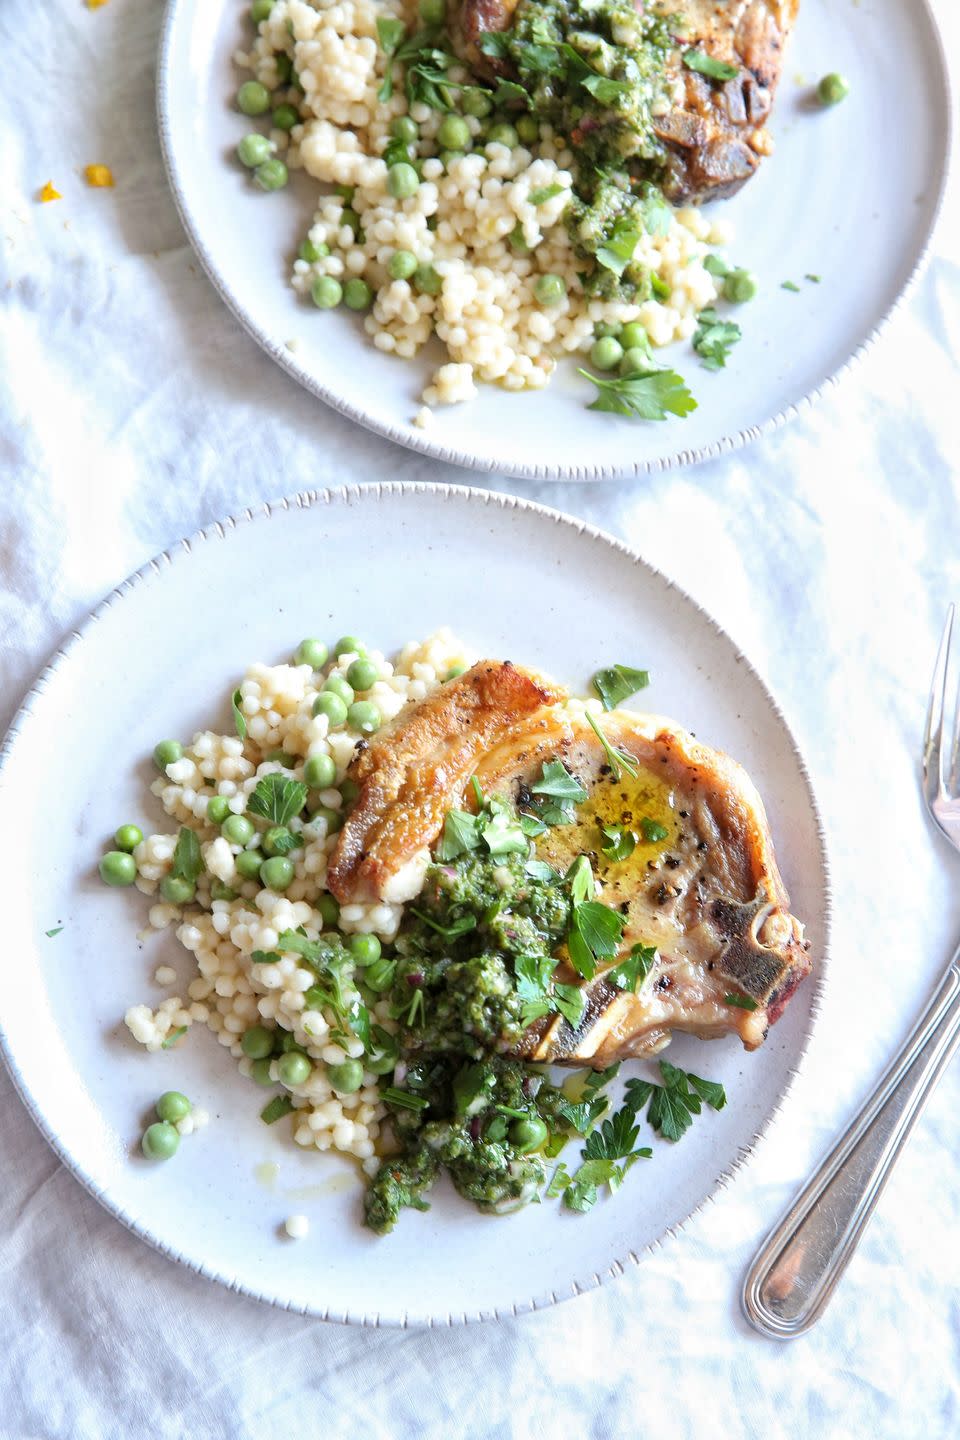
x: 473, y: 18
x: 417, y: 768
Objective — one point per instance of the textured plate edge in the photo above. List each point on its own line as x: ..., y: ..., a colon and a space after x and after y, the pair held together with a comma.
x: 305, y: 500
x: 421, y: 443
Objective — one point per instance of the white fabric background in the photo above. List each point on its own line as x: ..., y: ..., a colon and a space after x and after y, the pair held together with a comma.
x: 132, y: 411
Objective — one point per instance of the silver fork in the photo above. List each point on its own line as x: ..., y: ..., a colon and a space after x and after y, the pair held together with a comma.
x: 803, y: 1258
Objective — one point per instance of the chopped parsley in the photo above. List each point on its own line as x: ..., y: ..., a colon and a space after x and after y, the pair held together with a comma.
x: 275, y: 1109
x: 239, y: 719
x: 653, y: 831
x: 633, y: 971
x: 714, y: 339
x: 618, y: 682
x: 187, y: 860
x: 620, y: 842
x: 277, y: 799
x: 173, y: 1037
x: 740, y: 1002
x: 705, y: 64
x: 790, y: 285
x: 617, y: 759
x: 673, y: 1104
x: 642, y: 397
x: 50, y: 933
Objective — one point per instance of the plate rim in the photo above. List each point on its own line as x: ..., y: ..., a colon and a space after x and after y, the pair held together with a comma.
x: 420, y: 441
x: 346, y: 495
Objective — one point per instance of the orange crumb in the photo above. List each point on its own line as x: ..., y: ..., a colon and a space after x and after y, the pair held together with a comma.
x: 99, y: 176
x: 49, y: 193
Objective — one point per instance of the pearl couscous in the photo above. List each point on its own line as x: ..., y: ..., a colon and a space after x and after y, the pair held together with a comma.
x: 471, y: 244
x: 296, y: 724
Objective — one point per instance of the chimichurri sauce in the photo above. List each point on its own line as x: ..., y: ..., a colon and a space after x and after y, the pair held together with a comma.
x: 466, y: 1105
x: 596, y: 71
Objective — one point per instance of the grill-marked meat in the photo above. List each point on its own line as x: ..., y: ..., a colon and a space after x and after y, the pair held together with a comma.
x: 709, y: 896
x: 714, y: 132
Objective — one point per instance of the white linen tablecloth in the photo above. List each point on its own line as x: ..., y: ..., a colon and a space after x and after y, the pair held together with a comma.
x: 134, y: 410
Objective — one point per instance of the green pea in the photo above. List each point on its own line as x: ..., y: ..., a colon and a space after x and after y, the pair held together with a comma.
x: 454, y: 133
x: 528, y: 129
x: 173, y: 1106
x: 339, y: 686
x: 326, y: 292
x: 739, y: 286
x: 253, y: 98
x: 549, y: 289
x: 128, y: 837
x: 379, y: 976
x: 635, y: 362
x: 349, y: 645
x: 167, y: 752
x: 257, y: 1042
x: 503, y: 134
x: 332, y: 818
x: 433, y: 12
x: 311, y: 652
x: 287, y: 1042
x: 357, y: 294
x: 346, y: 1077
x: 218, y: 808
x: 118, y: 868
x: 237, y: 829
x: 633, y: 336
x: 260, y: 9
x: 349, y: 790
x: 248, y: 864
x: 284, y: 68
x: 363, y: 716
x: 277, y: 841
x: 401, y: 265
x: 320, y: 771
x: 310, y: 252
x: 402, y: 181
x: 260, y: 1071
x: 606, y: 328
x: 254, y: 150
x: 477, y: 103
x: 331, y: 705
x: 177, y: 890
x: 427, y: 281
x: 364, y: 948
x: 832, y: 89
x: 220, y: 891
x: 404, y: 128
x: 160, y: 1141
x: 606, y: 354
x: 277, y: 873
x: 363, y: 674
x: 328, y: 909
x: 528, y: 1134
x: 294, y: 1068
x: 285, y: 117
x: 454, y: 671
x: 384, y: 1058
x: 271, y: 175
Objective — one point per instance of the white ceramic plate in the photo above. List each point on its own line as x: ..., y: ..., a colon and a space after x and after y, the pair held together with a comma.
x: 850, y: 195
x: 160, y: 657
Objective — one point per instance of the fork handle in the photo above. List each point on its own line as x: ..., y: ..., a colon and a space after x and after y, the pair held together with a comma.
x: 801, y: 1261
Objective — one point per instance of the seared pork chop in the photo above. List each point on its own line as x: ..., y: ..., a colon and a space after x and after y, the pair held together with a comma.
x: 706, y: 892
x: 713, y: 131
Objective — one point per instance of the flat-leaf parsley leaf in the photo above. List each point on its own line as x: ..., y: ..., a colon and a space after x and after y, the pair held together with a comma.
x: 642, y: 397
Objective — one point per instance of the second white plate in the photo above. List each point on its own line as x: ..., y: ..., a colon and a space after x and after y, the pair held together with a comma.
x: 851, y: 195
